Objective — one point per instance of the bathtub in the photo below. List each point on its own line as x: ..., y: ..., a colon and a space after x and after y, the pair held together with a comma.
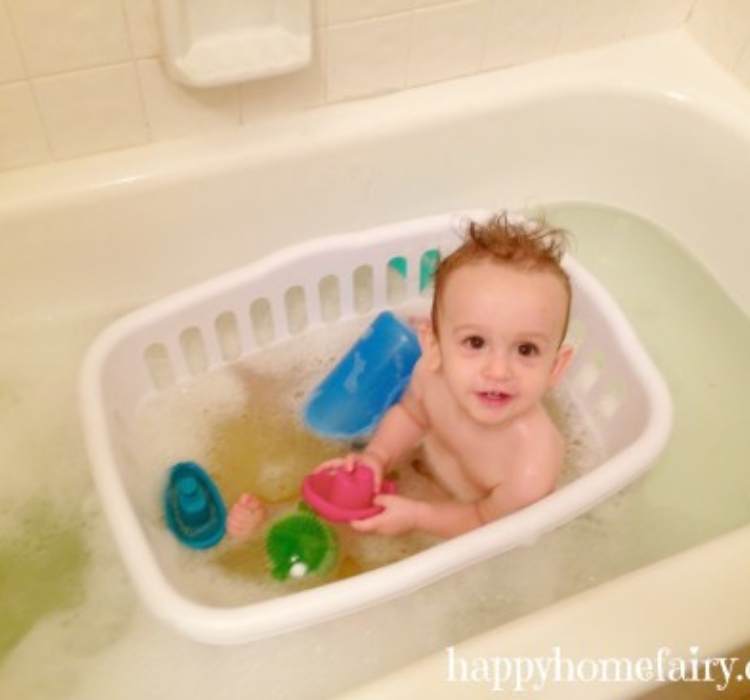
x: 651, y: 126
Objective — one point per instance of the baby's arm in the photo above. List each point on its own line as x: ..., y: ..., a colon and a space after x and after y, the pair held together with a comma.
x: 398, y: 431
x: 395, y: 434
x: 447, y: 518
x: 401, y: 515
x: 401, y: 428
x: 533, y: 476
x: 451, y: 518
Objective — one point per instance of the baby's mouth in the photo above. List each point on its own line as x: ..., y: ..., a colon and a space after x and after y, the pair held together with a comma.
x: 494, y: 398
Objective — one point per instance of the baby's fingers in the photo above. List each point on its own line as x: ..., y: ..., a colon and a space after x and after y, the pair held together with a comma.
x: 336, y: 463
x: 385, y: 499
x: 350, y: 461
x: 367, y: 525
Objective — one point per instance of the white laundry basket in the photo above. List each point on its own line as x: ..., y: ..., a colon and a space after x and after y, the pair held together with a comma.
x: 612, y: 382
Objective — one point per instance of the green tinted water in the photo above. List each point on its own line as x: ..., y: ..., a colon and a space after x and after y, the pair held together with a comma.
x: 41, y: 569
x: 71, y: 624
x: 700, y: 341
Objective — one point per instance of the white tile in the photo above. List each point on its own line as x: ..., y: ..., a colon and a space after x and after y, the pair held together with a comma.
x: 722, y: 27
x: 520, y: 31
x: 352, y: 10
x: 302, y: 89
x: 175, y: 110
x: 22, y: 140
x: 367, y: 57
x: 320, y: 12
x: 143, y: 25
x: 588, y: 23
x: 743, y: 65
x: 648, y: 16
x: 447, y: 41
x: 63, y: 35
x: 11, y: 67
x: 93, y: 110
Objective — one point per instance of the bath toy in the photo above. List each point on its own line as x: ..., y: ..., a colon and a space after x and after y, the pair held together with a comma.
x: 339, y: 495
x: 193, y: 507
x: 427, y: 266
x: 300, y: 544
x: 367, y: 381
x: 245, y: 516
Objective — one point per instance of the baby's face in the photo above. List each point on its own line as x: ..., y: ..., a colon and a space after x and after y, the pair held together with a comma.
x: 499, y: 336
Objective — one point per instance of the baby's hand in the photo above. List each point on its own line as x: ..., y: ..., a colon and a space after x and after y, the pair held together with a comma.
x: 246, y: 516
x: 398, y: 517
x: 353, y: 459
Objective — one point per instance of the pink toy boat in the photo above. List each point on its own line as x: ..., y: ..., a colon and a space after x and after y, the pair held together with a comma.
x: 339, y: 495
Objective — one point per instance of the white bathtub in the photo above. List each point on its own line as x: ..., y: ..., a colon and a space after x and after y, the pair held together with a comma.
x: 652, y: 126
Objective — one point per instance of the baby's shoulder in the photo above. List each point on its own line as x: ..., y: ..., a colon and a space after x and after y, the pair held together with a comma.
x: 420, y: 376
x: 540, y: 442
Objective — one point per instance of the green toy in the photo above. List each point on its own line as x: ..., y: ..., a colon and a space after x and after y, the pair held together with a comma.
x: 300, y: 544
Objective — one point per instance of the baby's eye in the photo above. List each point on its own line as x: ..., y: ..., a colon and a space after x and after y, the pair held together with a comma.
x: 475, y: 342
x: 528, y: 349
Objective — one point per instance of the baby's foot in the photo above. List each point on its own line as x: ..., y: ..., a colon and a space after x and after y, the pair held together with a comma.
x: 245, y: 517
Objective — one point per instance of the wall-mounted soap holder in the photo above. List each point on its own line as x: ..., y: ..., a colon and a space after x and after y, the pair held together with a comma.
x: 216, y: 42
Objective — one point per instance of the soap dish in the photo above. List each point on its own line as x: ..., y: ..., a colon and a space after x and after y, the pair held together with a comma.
x: 209, y: 44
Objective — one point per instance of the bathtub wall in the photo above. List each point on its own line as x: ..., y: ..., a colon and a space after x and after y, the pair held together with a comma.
x: 83, y: 76
x: 723, y: 28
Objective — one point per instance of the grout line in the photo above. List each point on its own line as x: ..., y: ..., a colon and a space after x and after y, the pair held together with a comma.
x: 369, y: 20
x: 320, y: 42
x: 16, y: 38
x: 137, y: 71
x: 43, y: 122
x: 488, y: 23
x: 126, y: 24
x: 689, y: 14
x: 410, y: 43
x: 142, y: 98
x: 745, y: 49
x: 80, y: 69
x: 240, y: 94
x: 414, y: 7
x: 29, y: 82
x: 324, y: 74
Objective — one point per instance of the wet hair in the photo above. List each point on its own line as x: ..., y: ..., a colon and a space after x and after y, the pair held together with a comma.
x: 521, y: 244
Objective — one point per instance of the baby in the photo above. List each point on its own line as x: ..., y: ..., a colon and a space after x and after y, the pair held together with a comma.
x: 493, y: 348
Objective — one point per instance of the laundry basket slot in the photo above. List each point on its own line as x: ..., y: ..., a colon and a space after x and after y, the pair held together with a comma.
x: 159, y: 367
x: 330, y: 298
x: 396, y: 281
x: 228, y: 336
x: 364, y: 293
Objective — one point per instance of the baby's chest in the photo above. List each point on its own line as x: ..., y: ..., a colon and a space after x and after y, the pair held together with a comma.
x: 466, y: 469
x: 485, y: 459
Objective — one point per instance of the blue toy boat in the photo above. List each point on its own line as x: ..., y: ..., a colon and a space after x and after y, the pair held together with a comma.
x: 193, y: 507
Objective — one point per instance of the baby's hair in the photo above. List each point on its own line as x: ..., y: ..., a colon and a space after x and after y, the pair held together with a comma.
x: 522, y: 244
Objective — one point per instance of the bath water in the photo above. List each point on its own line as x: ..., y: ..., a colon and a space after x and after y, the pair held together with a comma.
x: 74, y: 628
x: 241, y: 423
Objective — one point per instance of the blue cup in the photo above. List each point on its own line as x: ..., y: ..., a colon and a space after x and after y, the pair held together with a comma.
x: 372, y: 376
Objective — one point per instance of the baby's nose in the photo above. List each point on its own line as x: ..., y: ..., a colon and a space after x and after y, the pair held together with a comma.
x: 497, y: 366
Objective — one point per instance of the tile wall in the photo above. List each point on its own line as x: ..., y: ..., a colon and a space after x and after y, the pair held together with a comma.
x: 723, y: 28
x: 83, y: 76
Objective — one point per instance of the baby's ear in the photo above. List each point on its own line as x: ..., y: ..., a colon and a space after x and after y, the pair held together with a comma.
x: 429, y: 345
x: 562, y: 362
